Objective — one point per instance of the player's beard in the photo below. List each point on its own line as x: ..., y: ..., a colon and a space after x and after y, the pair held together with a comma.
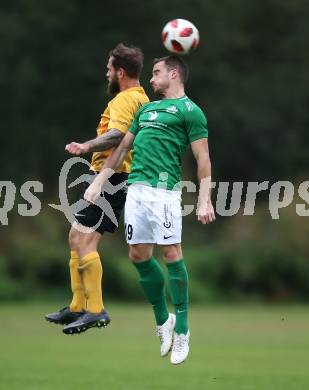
x: 159, y: 94
x: 160, y: 91
x: 113, y: 86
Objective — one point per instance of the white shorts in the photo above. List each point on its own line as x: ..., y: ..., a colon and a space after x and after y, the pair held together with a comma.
x: 152, y: 215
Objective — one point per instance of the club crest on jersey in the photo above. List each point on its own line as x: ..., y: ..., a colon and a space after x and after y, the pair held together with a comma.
x: 153, y: 115
x: 172, y: 109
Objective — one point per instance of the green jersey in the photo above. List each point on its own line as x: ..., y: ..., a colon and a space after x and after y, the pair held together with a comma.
x: 164, y: 129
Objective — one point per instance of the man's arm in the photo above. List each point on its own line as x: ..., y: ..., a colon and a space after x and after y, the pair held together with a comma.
x: 205, y: 209
x: 106, y: 141
x: 111, y: 164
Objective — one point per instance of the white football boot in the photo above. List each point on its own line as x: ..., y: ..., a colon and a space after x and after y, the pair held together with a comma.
x: 180, y: 349
x: 165, y: 333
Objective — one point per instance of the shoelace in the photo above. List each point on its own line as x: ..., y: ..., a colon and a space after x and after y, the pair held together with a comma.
x: 179, y: 342
x: 159, y: 332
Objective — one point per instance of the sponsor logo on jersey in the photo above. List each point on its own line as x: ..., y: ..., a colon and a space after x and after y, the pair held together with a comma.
x: 153, y: 115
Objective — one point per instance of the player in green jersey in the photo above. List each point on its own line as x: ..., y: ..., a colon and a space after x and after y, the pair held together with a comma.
x: 161, y: 132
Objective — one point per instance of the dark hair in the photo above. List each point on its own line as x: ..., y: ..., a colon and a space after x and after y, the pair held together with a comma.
x: 128, y: 58
x: 175, y: 62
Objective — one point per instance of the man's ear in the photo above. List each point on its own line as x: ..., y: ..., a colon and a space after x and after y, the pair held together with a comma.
x: 174, y: 73
x: 121, y: 73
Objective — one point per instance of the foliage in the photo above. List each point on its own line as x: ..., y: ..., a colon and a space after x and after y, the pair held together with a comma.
x: 248, y: 258
x: 257, y: 257
x: 250, y: 74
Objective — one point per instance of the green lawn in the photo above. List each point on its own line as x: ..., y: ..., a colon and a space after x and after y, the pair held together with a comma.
x: 232, y: 347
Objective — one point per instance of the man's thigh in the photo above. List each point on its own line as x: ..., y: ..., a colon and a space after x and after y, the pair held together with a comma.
x: 95, y: 217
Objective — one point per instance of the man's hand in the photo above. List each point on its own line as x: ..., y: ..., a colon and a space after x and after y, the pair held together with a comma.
x: 77, y: 149
x: 206, y: 213
x: 93, y: 192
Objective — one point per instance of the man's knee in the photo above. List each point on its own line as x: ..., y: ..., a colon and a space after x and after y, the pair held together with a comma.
x: 89, y: 239
x: 172, y: 252
x: 88, y: 242
x: 134, y: 254
x: 137, y: 253
x: 74, y: 239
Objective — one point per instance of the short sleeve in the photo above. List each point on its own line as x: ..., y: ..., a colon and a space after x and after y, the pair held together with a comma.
x: 134, y: 129
x: 121, y: 113
x: 196, y: 123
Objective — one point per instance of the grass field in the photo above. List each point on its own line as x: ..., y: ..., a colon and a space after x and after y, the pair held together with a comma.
x: 232, y: 348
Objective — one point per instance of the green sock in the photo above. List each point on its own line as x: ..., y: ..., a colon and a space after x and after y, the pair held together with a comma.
x: 178, y: 286
x: 152, y: 281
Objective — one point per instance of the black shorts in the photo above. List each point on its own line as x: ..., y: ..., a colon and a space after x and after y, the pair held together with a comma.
x: 91, y: 215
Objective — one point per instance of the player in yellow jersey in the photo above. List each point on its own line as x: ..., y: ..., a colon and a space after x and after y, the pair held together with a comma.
x: 86, y: 309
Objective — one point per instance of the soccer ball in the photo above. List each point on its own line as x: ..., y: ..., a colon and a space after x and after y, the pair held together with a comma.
x: 180, y: 36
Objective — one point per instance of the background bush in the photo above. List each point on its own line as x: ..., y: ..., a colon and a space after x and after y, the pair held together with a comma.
x: 245, y: 258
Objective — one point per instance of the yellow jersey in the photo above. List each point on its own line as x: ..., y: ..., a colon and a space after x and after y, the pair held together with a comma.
x: 119, y: 115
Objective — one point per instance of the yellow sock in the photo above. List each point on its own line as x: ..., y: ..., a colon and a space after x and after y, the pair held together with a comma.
x: 79, y: 300
x: 92, y: 271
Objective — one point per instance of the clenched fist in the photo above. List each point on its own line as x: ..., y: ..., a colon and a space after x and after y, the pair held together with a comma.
x: 77, y: 149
